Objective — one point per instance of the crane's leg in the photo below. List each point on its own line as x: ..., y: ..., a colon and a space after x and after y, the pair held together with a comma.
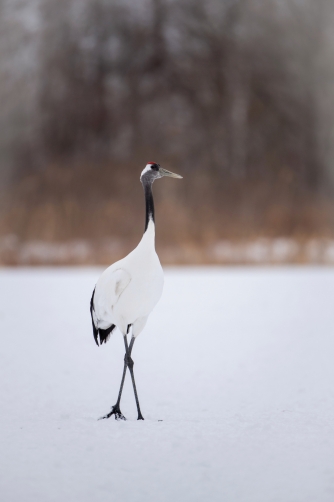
x: 130, y: 364
x: 115, y: 410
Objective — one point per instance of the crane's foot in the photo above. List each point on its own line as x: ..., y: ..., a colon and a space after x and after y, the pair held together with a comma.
x: 115, y: 410
x: 140, y: 417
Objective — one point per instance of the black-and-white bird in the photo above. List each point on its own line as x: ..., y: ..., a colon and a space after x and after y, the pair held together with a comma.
x: 128, y: 290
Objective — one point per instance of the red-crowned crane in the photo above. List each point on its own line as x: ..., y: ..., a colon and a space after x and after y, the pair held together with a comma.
x: 127, y: 291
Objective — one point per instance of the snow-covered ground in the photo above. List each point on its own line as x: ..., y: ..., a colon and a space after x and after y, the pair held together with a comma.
x: 238, y: 363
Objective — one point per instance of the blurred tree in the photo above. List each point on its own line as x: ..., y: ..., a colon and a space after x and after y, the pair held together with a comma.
x: 236, y: 91
x: 18, y: 86
x: 226, y: 85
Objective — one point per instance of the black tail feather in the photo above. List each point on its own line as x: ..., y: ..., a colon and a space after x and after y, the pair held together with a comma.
x: 103, y: 333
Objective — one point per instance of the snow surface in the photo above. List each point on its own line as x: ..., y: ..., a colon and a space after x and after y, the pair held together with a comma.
x: 238, y: 363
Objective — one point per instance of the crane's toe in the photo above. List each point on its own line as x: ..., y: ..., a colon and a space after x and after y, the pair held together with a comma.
x: 115, y: 410
x: 119, y: 416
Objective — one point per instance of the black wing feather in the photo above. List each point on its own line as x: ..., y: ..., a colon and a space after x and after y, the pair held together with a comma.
x: 105, y: 333
x: 95, y: 330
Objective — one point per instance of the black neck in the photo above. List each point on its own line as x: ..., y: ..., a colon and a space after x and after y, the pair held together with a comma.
x: 149, y: 203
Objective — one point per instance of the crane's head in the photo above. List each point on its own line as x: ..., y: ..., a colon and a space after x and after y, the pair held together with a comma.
x: 153, y: 171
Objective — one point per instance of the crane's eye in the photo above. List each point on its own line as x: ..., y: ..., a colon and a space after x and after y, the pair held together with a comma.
x: 155, y: 167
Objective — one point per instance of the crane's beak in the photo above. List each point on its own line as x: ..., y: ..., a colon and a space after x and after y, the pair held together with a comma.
x: 164, y: 172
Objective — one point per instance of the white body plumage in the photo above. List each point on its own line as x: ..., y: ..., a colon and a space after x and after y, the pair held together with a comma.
x: 128, y: 290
